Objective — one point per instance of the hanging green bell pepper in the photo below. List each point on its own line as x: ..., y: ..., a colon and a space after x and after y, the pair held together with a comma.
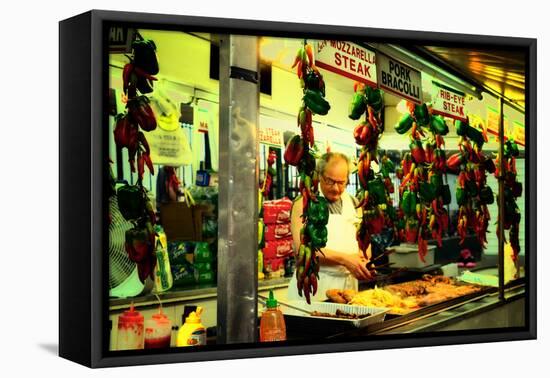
x: 445, y: 194
x: 131, y: 201
x: 376, y: 189
x: 437, y: 181
x: 317, y: 212
x: 405, y: 123
x: 422, y: 115
x: 460, y: 196
x: 438, y: 125
x: 486, y: 195
x: 315, y: 101
x: 374, y: 98
x: 317, y: 235
x: 357, y: 106
x: 427, y: 192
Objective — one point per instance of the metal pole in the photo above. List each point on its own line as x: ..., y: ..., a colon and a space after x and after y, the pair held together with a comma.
x: 237, y: 305
x: 501, y: 203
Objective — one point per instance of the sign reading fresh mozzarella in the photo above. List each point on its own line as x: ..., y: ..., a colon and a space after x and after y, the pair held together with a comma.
x: 449, y: 102
x: 399, y: 79
x: 347, y: 59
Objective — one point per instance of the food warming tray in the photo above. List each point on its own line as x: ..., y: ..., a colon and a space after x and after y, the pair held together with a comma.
x: 319, y: 325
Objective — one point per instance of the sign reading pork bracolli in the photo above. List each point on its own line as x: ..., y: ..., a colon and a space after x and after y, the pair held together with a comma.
x: 399, y: 79
x: 304, y: 190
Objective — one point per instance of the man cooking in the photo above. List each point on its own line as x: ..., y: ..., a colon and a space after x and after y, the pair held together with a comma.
x: 343, y: 263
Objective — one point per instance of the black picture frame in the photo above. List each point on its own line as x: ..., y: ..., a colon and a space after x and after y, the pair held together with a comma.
x: 83, y: 99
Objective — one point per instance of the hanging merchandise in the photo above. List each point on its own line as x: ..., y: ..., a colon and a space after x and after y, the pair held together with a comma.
x: 168, y: 143
x: 133, y: 201
x: 300, y: 152
x: 473, y: 195
x: 270, y: 173
x: 423, y: 192
x: 373, y: 196
x: 512, y: 190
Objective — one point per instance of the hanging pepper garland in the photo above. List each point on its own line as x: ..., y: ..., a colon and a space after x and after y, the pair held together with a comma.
x: 300, y: 152
x: 372, y: 196
x: 512, y: 190
x: 422, y: 191
x: 133, y: 202
x: 472, y: 193
x: 269, y: 174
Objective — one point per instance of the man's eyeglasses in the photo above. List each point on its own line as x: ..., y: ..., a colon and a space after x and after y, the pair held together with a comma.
x: 331, y: 182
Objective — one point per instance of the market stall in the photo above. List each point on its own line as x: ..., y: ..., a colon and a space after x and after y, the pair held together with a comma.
x: 437, y: 158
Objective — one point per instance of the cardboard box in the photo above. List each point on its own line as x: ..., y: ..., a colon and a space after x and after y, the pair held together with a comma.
x: 182, y: 222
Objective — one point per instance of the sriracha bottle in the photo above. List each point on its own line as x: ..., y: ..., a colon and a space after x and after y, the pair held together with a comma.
x: 272, y: 322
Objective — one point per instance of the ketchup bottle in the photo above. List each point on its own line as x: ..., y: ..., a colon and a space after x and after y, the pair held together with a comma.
x: 158, y: 331
x: 130, y: 330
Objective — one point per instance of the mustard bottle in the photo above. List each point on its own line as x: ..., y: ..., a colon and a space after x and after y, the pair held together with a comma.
x: 193, y: 332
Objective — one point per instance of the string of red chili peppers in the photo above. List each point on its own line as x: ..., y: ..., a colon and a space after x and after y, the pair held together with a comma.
x: 133, y: 202
x: 512, y: 190
x: 472, y: 193
x: 369, y: 102
x: 300, y: 152
x: 269, y: 173
x: 423, y: 193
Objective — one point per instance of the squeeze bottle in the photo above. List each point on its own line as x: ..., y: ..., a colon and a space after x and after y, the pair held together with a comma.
x: 272, y: 322
x: 192, y: 333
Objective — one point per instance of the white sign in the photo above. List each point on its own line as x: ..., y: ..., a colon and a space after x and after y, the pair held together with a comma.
x: 270, y: 136
x: 449, y: 102
x: 347, y: 59
x: 399, y: 79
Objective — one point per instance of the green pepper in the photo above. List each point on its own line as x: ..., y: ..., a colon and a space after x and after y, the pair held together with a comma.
x: 461, y: 127
x: 405, y: 123
x: 131, y: 201
x: 315, y: 101
x: 438, y: 125
x: 317, y: 212
x: 422, y: 115
x: 471, y: 189
x: 437, y: 181
x: 486, y: 195
x: 511, y: 148
x: 357, y: 106
x: 445, y: 193
x: 307, y: 164
x: 374, y: 98
x: 390, y: 211
x: 427, y: 192
x: 317, y: 235
x: 460, y: 196
x: 313, y: 81
x: 475, y: 135
x: 376, y: 189
x: 408, y: 203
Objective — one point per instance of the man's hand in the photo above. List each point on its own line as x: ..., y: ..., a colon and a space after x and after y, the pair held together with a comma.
x: 357, y: 265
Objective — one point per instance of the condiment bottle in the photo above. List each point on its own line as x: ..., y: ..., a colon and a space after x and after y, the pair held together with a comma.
x: 163, y: 273
x: 130, y: 330
x: 193, y: 332
x: 272, y: 322
x: 158, y: 331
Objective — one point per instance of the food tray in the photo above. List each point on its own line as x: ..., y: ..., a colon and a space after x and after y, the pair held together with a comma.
x: 321, y: 325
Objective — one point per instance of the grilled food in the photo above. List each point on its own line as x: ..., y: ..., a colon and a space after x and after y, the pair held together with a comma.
x: 340, y: 315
